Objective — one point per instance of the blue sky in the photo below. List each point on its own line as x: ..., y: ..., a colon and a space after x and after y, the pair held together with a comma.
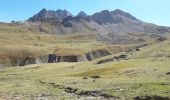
x: 154, y: 11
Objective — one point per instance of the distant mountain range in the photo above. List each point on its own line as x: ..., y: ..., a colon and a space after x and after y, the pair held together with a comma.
x: 110, y: 26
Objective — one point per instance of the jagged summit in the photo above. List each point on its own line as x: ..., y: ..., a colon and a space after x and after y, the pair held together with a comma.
x: 122, y: 13
x: 43, y: 10
x: 63, y: 13
x: 103, y: 17
x: 49, y: 14
x: 116, y: 16
x: 82, y: 14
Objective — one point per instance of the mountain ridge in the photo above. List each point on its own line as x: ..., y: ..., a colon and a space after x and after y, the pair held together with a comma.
x: 47, y: 14
x: 110, y: 26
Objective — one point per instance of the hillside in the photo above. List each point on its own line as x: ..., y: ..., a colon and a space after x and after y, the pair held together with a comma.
x: 21, y: 46
x: 143, y: 75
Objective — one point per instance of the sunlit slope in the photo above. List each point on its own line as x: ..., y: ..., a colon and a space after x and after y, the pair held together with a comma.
x: 18, y: 41
x: 17, y: 37
x: 159, y: 49
x: 156, y: 55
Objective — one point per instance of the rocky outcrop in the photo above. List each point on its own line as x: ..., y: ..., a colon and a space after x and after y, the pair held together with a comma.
x: 115, y: 58
x: 71, y: 58
x: 82, y: 58
x: 151, y: 98
x: 79, y: 92
x: 104, y: 61
x: 54, y: 58
x: 1, y: 68
x: 168, y: 73
x: 97, y: 54
x: 16, y: 61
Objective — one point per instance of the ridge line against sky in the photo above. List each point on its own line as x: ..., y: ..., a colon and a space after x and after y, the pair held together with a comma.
x: 153, y: 11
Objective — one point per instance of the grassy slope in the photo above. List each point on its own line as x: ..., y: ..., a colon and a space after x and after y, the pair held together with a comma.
x: 143, y: 74
x: 14, y: 38
x: 17, y: 41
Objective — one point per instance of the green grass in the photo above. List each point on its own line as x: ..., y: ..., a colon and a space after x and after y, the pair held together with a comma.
x: 126, y: 79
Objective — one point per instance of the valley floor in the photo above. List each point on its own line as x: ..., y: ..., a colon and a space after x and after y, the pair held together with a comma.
x: 124, y: 79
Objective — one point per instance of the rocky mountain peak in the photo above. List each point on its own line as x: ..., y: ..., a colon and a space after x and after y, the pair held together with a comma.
x: 119, y: 12
x: 50, y: 14
x: 103, y: 17
x: 116, y: 16
x: 63, y: 13
x: 82, y: 14
x: 43, y: 10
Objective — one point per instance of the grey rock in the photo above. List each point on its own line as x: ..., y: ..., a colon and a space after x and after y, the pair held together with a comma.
x: 50, y: 14
x: 1, y: 67
x: 82, y: 14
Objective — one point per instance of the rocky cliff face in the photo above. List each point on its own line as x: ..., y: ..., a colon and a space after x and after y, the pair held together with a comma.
x: 54, y: 58
x: 97, y: 54
x: 21, y: 61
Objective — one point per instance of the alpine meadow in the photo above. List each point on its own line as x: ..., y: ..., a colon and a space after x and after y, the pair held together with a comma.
x: 107, y: 55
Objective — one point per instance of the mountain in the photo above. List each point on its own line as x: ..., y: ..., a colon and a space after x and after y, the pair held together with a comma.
x: 82, y: 14
x: 118, y: 21
x: 109, y: 26
x: 115, y: 17
x: 50, y: 14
